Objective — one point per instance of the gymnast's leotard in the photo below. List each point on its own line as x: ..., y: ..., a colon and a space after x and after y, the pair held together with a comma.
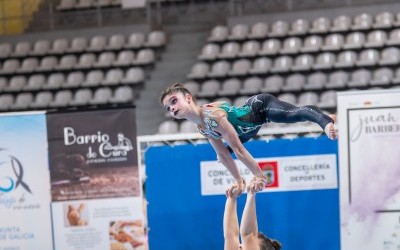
x: 258, y: 110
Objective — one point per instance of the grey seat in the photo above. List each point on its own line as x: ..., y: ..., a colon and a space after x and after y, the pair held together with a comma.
x: 187, y: 127
x: 209, y: 88
x: 145, y: 57
x: 299, y: 27
x: 22, y: 49
x: 218, y: 34
x: 55, y: 81
x: 5, y: 50
x: 320, y: 25
x: 273, y: 84
x: 229, y: 50
x: 6, y: 101
x: 209, y: 52
x: 104, y: 60
x: 360, y: 78
x: 382, y: 76
x: 125, y: 58
x: 60, y: 46
x: 316, y: 81
x: 308, y: 98
x: 282, y: 64
x: 61, y: 99
x: 363, y: 21
x: 113, y: 77
x: 261, y: 65
x: 341, y: 23
x: 219, y: 69
x: 93, y: 78
x: 74, y: 79
x: 294, y: 82
x: 115, y: 42
x: 28, y: 65
x: 35, y: 82
x: 258, y: 30
x: 251, y: 86
x: 168, y: 127
x: 368, y: 57
x: 325, y: 60
x: 48, y: 63
x: 156, y: 38
x: 134, y: 76
x: 22, y: 101
x: 67, y: 62
x: 41, y: 47
x: 383, y: 20
x: 16, y: 83
x: 10, y: 66
x: 396, y: 78
x: 376, y: 38
x: 390, y: 56
x: 101, y: 96
x: 78, y: 44
x: 312, y: 44
x: 249, y: 49
x: 86, y: 61
x: 3, y: 83
x: 394, y: 37
x: 291, y: 45
x: 240, y: 67
x: 333, y: 42
x: 303, y: 62
x: 279, y: 28
x: 97, y: 43
x: 123, y: 94
x: 81, y: 97
x: 337, y: 79
x: 327, y: 99
x: 199, y: 70
x: 192, y: 86
x: 230, y: 87
x: 346, y: 59
x: 270, y: 47
x: 354, y: 40
x: 135, y: 41
x: 42, y: 100
x: 239, y: 32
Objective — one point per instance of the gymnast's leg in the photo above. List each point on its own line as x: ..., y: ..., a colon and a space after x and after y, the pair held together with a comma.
x: 283, y: 112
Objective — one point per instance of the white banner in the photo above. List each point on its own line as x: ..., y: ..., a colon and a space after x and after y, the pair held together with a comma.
x: 99, y: 224
x: 369, y: 169
x: 129, y: 4
x: 295, y: 173
x: 24, y: 183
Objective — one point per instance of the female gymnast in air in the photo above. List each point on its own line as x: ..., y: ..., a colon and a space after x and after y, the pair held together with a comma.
x: 236, y: 125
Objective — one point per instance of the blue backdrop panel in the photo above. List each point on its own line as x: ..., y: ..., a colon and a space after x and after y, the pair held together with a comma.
x: 180, y: 218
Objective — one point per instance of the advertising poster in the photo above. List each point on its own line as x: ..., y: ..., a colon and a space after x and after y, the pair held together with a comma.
x: 95, y: 180
x: 370, y: 187
x: 24, y: 183
x: 310, y: 172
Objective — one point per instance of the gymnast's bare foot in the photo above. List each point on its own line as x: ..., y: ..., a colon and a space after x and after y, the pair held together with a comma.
x: 330, y: 130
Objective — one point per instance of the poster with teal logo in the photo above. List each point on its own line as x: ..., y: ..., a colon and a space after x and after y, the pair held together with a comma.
x: 24, y: 182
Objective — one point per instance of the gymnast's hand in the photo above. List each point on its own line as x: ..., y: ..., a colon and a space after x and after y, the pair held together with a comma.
x: 257, y: 184
x: 236, y: 189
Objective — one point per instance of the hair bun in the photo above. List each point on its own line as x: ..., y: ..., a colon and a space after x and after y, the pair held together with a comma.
x: 177, y: 85
x: 276, y: 244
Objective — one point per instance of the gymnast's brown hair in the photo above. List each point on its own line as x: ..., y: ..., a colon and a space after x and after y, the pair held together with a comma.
x: 268, y: 244
x: 175, y: 88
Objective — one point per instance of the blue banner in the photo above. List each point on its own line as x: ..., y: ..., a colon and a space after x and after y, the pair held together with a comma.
x: 181, y: 218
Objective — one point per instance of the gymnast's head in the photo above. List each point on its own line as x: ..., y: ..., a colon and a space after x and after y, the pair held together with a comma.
x: 178, y: 101
x: 268, y: 244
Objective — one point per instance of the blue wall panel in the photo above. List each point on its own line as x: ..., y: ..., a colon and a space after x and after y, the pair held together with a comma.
x: 181, y: 219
